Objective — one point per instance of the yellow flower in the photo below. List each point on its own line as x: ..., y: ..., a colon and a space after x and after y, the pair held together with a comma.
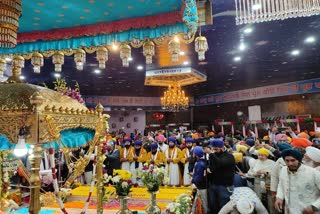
x: 124, y: 174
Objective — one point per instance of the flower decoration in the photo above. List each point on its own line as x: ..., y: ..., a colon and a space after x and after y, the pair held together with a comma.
x: 181, y: 205
x: 60, y: 85
x: 152, y: 176
x: 121, y: 181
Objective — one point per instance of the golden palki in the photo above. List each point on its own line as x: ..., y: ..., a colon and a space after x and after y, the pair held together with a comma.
x: 174, y: 99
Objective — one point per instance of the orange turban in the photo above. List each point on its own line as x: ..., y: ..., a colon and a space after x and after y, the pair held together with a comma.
x: 312, y: 134
x: 303, y: 135
x: 300, y: 142
x: 265, y: 137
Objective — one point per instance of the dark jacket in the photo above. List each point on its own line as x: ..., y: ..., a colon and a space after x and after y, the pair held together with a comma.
x: 198, y: 177
x: 222, y: 167
x: 112, y: 161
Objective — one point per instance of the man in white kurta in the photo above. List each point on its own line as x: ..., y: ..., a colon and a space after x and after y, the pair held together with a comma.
x: 299, y: 186
x: 173, y: 157
x: 312, y: 157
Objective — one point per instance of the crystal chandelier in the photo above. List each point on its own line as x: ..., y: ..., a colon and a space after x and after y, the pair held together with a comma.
x: 125, y: 54
x: 102, y: 56
x: 10, y: 11
x: 80, y: 58
x: 174, y: 99
x: 201, y: 46
x: 253, y: 11
x: 148, y: 51
x: 174, y: 49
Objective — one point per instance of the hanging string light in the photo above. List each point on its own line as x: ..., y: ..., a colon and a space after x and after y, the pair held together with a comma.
x: 174, y: 49
x: 269, y: 10
x: 148, y: 51
x: 79, y: 58
x: 10, y: 13
x: 3, y: 64
x: 174, y: 99
x: 102, y: 56
x: 37, y: 62
x: 58, y: 60
x: 125, y: 54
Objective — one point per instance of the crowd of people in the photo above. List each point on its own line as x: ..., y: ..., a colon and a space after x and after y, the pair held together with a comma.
x: 279, y: 173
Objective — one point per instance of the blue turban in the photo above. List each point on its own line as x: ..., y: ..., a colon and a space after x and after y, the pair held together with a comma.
x: 283, y: 146
x: 216, y: 143
x: 189, y: 140
x: 292, y: 152
x: 198, y: 151
x: 172, y: 139
x: 154, y: 146
x: 250, y: 142
x: 138, y: 143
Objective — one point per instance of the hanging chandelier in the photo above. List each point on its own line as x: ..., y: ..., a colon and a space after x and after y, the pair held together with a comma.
x: 102, y: 56
x: 174, y: 49
x: 37, y: 62
x: 125, y: 54
x: 174, y: 99
x: 10, y: 11
x: 148, y: 51
x: 3, y: 64
x: 58, y: 60
x: 250, y: 11
x: 201, y: 46
x: 79, y: 58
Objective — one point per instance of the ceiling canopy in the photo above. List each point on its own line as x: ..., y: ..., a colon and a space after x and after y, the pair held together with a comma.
x: 57, y: 25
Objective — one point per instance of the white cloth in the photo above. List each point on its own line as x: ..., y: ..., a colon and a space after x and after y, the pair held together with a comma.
x: 88, y: 177
x: 240, y: 194
x: 186, y: 175
x: 163, y: 148
x: 126, y: 165
x: 300, y: 189
x: 275, y: 173
x: 172, y: 169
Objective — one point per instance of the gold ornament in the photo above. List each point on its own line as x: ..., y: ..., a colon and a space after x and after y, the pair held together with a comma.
x: 201, y: 46
x: 37, y: 62
x: 102, y: 56
x: 3, y: 64
x: 125, y: 54
x: 58, y: 60
x: 174, y: 49
x: 18, y: 63
x: 10, y: 13
x: 148, y: 51
x: 79, y: 58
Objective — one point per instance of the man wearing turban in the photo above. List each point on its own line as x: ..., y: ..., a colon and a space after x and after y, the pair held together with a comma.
x: 299, y: 186
x: 155, y: 156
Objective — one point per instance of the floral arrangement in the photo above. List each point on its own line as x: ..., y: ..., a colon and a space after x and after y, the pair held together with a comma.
x: 152, y: 176
x: 121, y: 181
x: 181, y: 205
x: 60, y: 85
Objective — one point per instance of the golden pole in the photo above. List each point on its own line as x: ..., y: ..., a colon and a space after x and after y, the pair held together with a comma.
x: 99, y: 175
x: 35, y: 159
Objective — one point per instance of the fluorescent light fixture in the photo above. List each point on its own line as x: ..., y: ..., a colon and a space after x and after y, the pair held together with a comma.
x: 295, y: 52
x: 182, y: 53
x: 248, y: 30
x: 57, y: 75
x: 130, y: 59
x: 186, y: 63
x: 242, y: 46
x: 237, y: 59
x: 97, y: 71
x: 140, y: 67
x: 310, y: 39
x: 22, y: 77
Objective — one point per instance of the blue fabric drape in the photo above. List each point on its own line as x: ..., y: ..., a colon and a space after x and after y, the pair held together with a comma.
x: 5, y: 144
x: 72, y: 138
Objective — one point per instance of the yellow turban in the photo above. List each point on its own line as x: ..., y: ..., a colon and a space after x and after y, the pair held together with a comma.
x: 241, y: 148
x: 289, y: 139
x: 238, y: 157
x: 263, y: 151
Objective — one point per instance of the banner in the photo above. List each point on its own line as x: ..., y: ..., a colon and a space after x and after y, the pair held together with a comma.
x: 92, y: 101
x: 286, y: 89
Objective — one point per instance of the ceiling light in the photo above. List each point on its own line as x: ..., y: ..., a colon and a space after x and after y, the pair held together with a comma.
x: 139, y: 67
x: 186, y: 63
x: 248, y: 30
x: 22, y: 77
x: 97, y: 71
x: 182, y: 53
x: 176, y: 39
x: 8, y: 59
x: 57, y: 75
x: 114, y: 47
x: 256, y: 6
x: 295, y: 52
x: 130, y: 59
x: 242, y: 46
x: 237, y: 59
x: 310, y: 39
